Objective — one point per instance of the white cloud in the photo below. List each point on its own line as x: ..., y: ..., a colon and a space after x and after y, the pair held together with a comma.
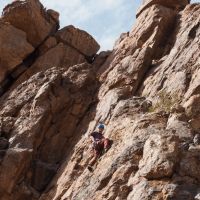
x: 107, y: 42
x: 3, y: 3
x: 80, y: 10
x: 105, y: 20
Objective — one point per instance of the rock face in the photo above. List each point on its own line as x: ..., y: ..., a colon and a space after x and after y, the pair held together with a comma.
x: 173, y: 4
x: 14, y: 48
x: 55, y: 89
x: 37, y: 23
x: 160, y: 157
x: 34, y: 111
x: 78, y: 39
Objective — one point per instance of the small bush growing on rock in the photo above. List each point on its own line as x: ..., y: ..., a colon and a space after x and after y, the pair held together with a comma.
x: 164, y: 103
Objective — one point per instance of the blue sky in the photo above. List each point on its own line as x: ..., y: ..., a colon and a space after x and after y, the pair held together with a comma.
x: 105, y: 20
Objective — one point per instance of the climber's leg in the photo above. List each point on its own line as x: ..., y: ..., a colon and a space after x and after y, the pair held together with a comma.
x: 96, y: 155
x: 106, y: 144
x: 94, y: 159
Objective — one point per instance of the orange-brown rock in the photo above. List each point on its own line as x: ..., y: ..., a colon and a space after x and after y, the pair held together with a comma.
x: 14, y: 48
x: 79, y: 40
x: 59, y: 56
x: 173, y: 4
x: 159, y: 157
x: 145, y: 91
x: 36, y: 23
x: 63, y: 88
x: 174, y: 76
x: 49, y: 43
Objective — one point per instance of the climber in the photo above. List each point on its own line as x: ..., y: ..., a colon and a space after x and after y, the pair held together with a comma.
x: 100, y: 145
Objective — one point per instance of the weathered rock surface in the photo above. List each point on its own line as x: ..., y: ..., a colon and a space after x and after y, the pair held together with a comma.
x: 35, y: 121
x: 36, y: 23
x: 14, y: 48
x: 60, y: 56
x: 64, y: 48
x: 173, y: 4
x: 78, y: 39
x: 146, y: 91
x: 132, y: 57
x: 160, y: 157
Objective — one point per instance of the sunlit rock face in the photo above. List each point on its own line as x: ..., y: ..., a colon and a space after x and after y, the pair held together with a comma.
x: 172, y: 4
x: 55, y: 89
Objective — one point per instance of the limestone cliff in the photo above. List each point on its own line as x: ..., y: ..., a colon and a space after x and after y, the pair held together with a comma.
x: 55, y: 89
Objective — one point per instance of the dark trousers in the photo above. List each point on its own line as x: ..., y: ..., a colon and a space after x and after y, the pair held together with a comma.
x: 97, y: 149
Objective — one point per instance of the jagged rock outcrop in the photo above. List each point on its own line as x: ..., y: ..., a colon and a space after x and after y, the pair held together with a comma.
x: 160, y: 157
x: 50, y: 47
x: 56, y: 89
x: 173, y: 4
x: 78, y: 39
x: 36, y: 23
x: 14, y: 48
x: 35, y: 120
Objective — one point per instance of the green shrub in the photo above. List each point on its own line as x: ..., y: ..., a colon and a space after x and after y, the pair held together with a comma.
x: 164, y: 102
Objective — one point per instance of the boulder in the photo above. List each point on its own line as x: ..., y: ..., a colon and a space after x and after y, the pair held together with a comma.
x: 189, y: 164
x: 60, y: 56
x: 179, y: 124
x: 49, y: 43
x: 14, y: 48
x: 145, y: 190
x: 79, y: 40
x: 159, y: 157
x: 38, y: 23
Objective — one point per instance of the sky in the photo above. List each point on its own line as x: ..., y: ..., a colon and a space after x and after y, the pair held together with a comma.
x: 105, y: 20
